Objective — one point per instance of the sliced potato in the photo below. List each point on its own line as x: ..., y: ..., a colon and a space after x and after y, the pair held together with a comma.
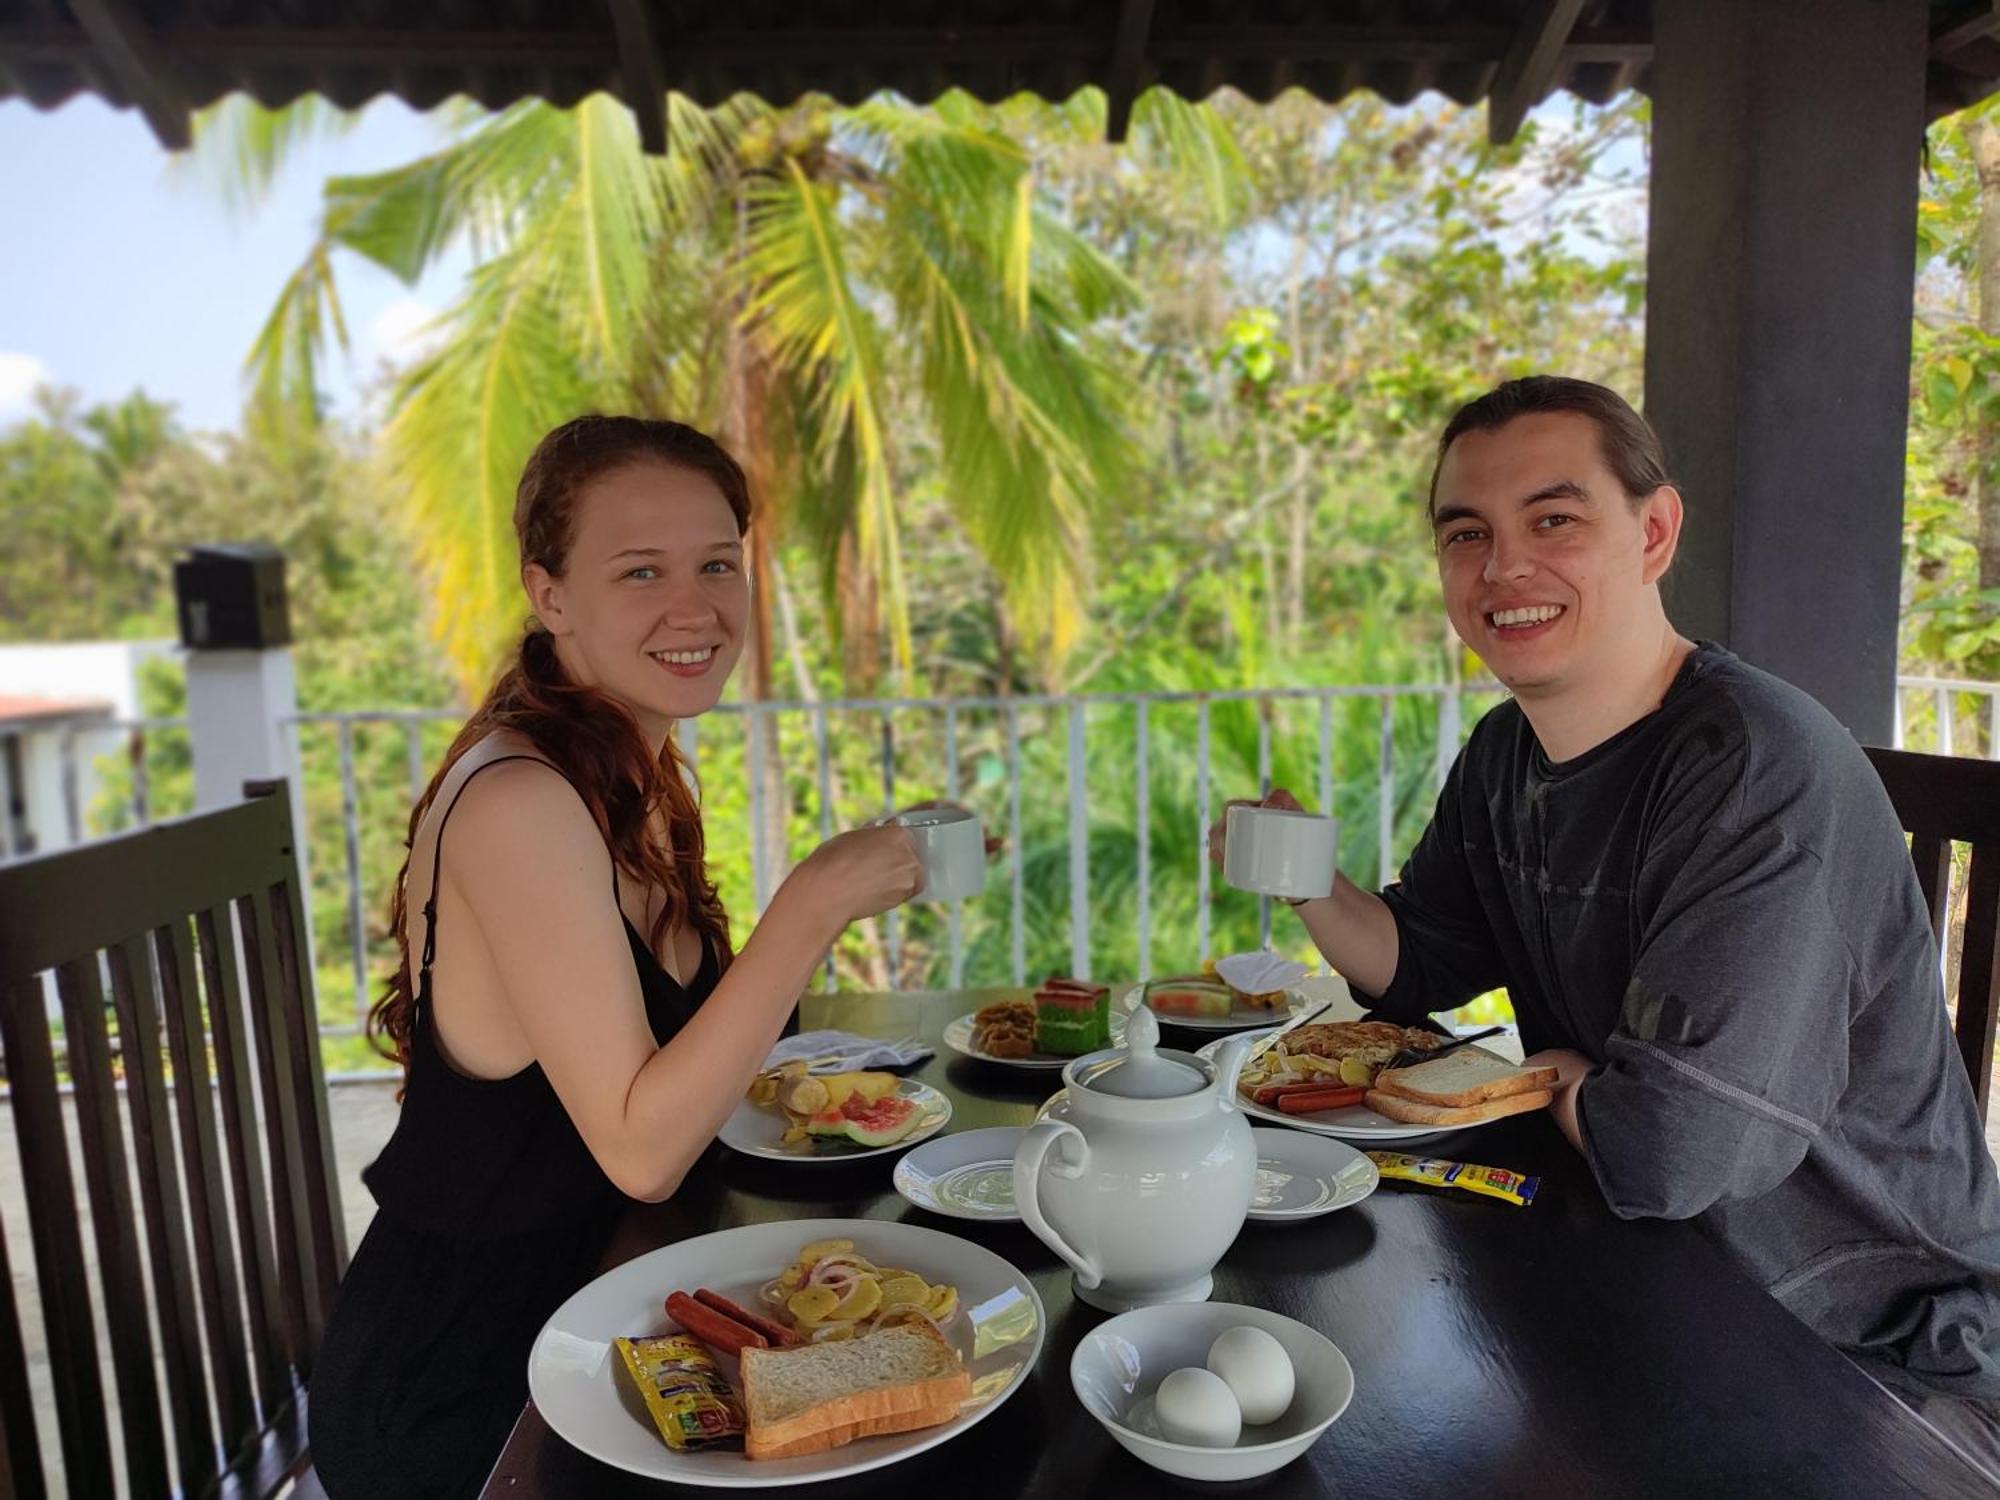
x: 943, y: 1300
x: 859, y: 1303
x: 1354, y: 1071
x: 812, y: 1304
x: 906, y: 1289
x: 820, y: 1249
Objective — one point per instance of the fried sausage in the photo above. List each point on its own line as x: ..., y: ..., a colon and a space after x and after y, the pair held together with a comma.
x: 777, y: 1334
x: 717, y: 1330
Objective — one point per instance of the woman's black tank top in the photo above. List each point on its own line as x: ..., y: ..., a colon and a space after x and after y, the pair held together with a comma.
x: 496, y: 1157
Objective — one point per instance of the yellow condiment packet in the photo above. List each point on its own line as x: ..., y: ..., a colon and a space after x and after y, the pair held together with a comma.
x: 1493, y: 1182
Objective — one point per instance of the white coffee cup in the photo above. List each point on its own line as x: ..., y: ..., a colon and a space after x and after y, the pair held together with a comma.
x: 952, y: 846
x: 1275, y: 851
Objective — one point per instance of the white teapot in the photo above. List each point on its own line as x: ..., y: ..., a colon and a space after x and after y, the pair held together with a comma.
x: 1142, y: 1174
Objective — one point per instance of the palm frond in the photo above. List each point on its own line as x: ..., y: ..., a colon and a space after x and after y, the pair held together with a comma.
x: 240, y: 146
x: 812, y: 319
x: 466, y: 419
x: 283, y: 363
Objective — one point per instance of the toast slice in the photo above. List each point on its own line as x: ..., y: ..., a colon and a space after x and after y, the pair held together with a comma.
x: 1411, y: 1112
x: 847, y: 1432
x: 1462, y: 1079
x: 819, y: 1396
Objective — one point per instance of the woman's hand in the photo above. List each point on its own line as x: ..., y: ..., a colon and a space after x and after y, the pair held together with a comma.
x: 1279, y: 797
x: 860, y: 874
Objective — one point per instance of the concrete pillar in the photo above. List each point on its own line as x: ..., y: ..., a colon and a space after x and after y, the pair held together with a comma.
x: 1787, y: 140
x: 238, y: 702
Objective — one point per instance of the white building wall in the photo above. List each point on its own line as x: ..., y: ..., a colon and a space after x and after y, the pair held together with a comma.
x: 107, y: 670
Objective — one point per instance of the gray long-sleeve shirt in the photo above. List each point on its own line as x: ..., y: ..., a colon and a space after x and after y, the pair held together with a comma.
x: 1716, y: 906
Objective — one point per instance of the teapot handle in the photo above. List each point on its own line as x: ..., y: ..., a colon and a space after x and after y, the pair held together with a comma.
x: 1028, y: 1159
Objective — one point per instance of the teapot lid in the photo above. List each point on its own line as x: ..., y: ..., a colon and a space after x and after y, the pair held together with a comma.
x: 1138, y: 1070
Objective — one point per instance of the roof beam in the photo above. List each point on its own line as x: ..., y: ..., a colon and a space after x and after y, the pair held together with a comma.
x: 641, y: 84
x: 1528, y: 71
x: 1128, y: 56
x: 121, y: 40
x: 252, y: 46
x: 1979, y: 22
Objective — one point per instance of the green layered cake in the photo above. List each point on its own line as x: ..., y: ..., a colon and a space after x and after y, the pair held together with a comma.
x: 1073, y: 1019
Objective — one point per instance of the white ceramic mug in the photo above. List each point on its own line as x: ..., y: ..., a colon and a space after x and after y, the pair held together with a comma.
x: 952, y: 846
x: 1275, y: 851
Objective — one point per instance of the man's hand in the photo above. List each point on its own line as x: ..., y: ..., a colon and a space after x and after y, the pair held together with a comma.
x: 1571, y: 1069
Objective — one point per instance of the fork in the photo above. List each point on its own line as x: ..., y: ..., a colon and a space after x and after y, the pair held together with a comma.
x: 1410, y: 1056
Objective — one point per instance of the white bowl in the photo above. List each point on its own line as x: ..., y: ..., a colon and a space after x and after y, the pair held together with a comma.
x: 1120, y: 1363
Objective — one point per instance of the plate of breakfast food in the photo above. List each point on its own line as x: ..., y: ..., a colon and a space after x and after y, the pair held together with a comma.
x: 1064, y: 1019
x: 786, y: 1353
x: 1229, y: 994
x: 791, y: 1114
x: 1344, y: 1079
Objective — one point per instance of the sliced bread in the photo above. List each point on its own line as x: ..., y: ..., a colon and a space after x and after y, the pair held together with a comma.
x: 1396, y: 1107
x: 819, y: 1396
x: 1461, y: 1079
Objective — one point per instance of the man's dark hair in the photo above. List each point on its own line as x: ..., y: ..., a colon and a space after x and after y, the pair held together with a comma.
x: 1631, y: 449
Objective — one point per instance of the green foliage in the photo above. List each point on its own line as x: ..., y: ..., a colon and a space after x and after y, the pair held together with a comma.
x: 1951, y: 621
x: 1045, y: 411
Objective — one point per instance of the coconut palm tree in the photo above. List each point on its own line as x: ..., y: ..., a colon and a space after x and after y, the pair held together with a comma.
x: 826, y: 285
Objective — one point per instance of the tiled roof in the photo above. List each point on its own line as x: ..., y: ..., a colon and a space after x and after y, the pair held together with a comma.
x: 169, y: 55
x: 19, y: 710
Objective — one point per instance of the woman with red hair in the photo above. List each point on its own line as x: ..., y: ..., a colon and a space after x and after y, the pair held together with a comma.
x: 576, y: 1026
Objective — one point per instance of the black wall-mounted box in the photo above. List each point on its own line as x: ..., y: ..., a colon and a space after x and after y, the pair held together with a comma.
x: 231, y: 596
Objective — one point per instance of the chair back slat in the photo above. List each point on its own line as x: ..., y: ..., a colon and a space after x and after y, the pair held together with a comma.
x: 216, y: 927
x: 326, y: 1230
x: 215, y: 1266
x: 281, y: 1140
x: 1932, y: 856
x: 20, y: 1439
x: 219, y: 1270
x: 58, y: 1240
x: 134, y: 991
x: 1976, y: 964
x: 107, y: 1172
x: 1942, y: 801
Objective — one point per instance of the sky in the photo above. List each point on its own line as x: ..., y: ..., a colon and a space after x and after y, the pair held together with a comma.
x: 121, y: 268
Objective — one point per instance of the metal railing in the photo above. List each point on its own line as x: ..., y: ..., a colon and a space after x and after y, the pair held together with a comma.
x: 928, y: 758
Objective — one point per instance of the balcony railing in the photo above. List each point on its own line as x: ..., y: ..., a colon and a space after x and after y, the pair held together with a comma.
x: 1093, y: 754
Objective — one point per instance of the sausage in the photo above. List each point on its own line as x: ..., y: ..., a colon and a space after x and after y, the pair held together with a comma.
x: 778, y: 1335
x: 1270, y: 1093
x: 721, y: 1333
x: 1313, y: 1100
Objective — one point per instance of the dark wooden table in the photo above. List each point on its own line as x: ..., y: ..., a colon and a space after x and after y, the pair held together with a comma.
x: 1551, y: 1350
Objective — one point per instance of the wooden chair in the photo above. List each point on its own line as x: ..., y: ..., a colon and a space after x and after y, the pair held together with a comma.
x: 196, y: 924
x: 1942, y: 800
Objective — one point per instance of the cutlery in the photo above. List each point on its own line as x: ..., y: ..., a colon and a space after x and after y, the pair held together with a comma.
x: 1410, y: 1056
x: 1283, y: 1031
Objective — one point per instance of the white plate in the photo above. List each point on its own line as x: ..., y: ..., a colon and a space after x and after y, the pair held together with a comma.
x: 1239, y: 1019
x: 966, y: 1175
x: 958, y: 1037
x: 757, y: 1131
x: 577, y: 1384
x: 1302, y: 1176
x: 1299, y: 1176
x: 1357, y: 1122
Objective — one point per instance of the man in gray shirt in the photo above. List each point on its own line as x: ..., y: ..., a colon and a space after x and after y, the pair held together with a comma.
x: 1694, y: 888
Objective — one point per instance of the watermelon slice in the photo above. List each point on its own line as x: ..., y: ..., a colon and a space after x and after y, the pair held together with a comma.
x: 867, y: 1122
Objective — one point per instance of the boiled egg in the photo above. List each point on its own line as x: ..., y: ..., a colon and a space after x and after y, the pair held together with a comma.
x: 1194, y: 1406
x: 1256, y: 1370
